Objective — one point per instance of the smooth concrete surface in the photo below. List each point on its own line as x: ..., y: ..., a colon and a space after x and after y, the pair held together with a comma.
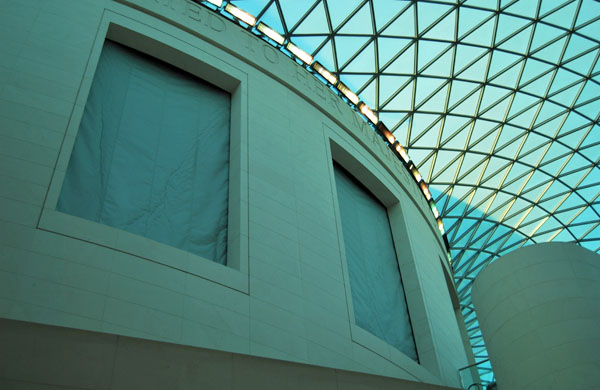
x: 35, y: 356
x: 286, y: 294
x: 539, y: 312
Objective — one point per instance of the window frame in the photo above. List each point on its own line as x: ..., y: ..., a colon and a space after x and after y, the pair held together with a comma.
x: 376, y: 177
x: 198, y: 59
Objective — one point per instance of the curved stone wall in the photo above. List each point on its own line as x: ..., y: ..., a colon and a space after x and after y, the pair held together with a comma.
x: 284, y: 293
x: 539, y: 314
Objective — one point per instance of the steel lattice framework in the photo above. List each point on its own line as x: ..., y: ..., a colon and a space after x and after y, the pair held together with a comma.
x: 497, y: 102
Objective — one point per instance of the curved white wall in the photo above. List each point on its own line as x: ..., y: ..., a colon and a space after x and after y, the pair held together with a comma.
x: 539, y: 312
x: 286, y: 294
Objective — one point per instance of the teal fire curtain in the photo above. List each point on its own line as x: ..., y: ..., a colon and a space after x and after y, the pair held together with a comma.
x: 377, y: 292
x: 152, y: 154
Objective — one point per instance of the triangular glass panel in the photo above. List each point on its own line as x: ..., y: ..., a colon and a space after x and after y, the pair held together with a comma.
x: 385, y: 10
x: 537, y: 180
x: 563, y: 17
x: 500, y: 204
x: 441, y: 67
x: 404, y: 64
x: 523, y: 8
x: 427, y: 86
x: 470, y: 161
x: 339, y: 10
x: 466, y: 54
x: 485, y: 142
x: 548, y: 110
x: 525, y: 119
x: 477, y: 71
x: 593, y: 138
x: 419, y: 154
x: 498, y: 110
x: 437, y: 102
x: 482, y: 36
x: 480, y: 199
x: 575, y: 121
x: 469, y: 18
x: 491, y: 95
x: 589, y: 192
x: 325, y: 56
x: 254, y: 7
x: 428, y: 50
x: 590, y: 92
x: 314, y: 23
x: 533, y: 142
x: 428, y: 13
x: 364, y: 62
x: 532, y: 157
x: 508, y: 25
x: 508, y: 78
x: 589, y: 109
x: 368, y: 93
x: 547, y: 7
x: 459, y: 140
x: 544, y: 34
x: 489, y: 4
x: 444, y: 29
x: 517, y: 213
x: 516, y: 175
x: 360, y: 23
x: 538, y: 86
x: 293, y: 12
x: 390, y: 84
x: 588, y: 10
x: 442, y: 172
x: 460, y: 89
x: 502, y: 60
x: 421, y: 122
x: 427, y: 139
x: 551, y: 126
x: 402, y: 130
x: 577, y: 162
x: 582, y: 64
x: 577, y: 44
x: 346, y: 47
x: 389, y: 47
x: 520, y: 102
x: 495, y: 179
x: 592, y: 179
x: 533, y: 69
x: 452, y: 125
x: 403, y: 26
x: 519, y: 43
x: 573, y: 139
x: 309, y: 44
x: 355, y: 81
x: 587, y: 215
x: 272, y: 18
x: 552, y: 164
x: 551, y: 53
x: 403, y: 100
x: 567, y: 96
x: 391, y: 119
x: 468, y: 106
x: 562, y: 79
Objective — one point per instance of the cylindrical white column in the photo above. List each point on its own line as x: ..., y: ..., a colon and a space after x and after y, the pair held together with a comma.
x: 539, y: 311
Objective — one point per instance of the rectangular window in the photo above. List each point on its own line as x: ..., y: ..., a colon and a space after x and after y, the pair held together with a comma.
x: 377, y: 293
x: 152, y: 154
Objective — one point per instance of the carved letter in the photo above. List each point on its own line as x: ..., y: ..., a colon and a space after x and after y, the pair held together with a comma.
x: 270, y: 54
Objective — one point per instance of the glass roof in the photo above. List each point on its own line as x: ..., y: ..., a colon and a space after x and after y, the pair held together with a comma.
x: 496, y: 101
